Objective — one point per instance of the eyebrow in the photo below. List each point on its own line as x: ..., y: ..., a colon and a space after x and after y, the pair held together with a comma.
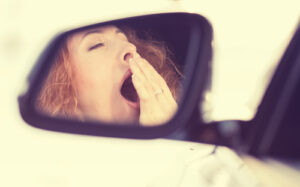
x: 98, y: 31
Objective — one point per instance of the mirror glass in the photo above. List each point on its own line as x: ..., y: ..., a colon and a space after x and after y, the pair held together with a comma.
x: 123, y: 73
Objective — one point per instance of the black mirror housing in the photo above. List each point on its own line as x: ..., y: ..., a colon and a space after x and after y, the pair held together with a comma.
x: 194, y: 51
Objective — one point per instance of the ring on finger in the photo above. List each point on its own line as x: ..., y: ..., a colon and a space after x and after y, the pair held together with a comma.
x: 158, y: 92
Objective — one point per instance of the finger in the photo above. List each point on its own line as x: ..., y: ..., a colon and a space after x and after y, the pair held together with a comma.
x: 148, y: 70
x: 150, y: 112
x: 140, y: 76
x: 140, y: 89
x: 144, y: 89
x: 161, y: 90
x: 156, y: 89
x: 165, y: 100
x: 153, y: 106
x: 167, y: 104
x: 136, y: 70
x: 156, y: 80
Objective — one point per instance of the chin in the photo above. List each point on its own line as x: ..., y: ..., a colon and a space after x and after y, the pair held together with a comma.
x: 128, y: 116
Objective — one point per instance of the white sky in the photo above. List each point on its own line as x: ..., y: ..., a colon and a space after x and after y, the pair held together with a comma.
x: 250, y: 37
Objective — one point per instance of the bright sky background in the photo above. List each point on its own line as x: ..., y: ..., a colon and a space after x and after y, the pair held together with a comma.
x: 249, y: 39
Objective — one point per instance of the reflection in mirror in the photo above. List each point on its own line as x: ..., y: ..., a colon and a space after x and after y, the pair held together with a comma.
x: 112, y: 74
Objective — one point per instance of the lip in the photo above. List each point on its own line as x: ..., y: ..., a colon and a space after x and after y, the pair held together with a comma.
x: 135, y: 105
x: 126, y: 75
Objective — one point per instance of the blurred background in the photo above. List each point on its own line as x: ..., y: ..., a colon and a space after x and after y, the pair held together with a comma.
x: 249, y: 39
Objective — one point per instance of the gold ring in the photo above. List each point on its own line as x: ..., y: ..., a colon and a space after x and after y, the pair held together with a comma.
x: 158, y: 92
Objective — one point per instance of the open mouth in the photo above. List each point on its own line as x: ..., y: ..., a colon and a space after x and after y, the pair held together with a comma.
x: 128, y: 91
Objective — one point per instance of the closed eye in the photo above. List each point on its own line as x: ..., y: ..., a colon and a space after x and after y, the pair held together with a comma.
x: 96, y: 46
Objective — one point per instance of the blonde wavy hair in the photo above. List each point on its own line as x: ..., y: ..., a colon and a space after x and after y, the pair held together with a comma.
x: 58, y: 95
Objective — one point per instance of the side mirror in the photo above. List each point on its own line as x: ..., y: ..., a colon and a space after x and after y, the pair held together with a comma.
x: 139, y: 77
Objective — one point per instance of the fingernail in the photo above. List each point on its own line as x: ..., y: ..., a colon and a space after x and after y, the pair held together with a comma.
x: 130, y: 61
x: 133, y: 77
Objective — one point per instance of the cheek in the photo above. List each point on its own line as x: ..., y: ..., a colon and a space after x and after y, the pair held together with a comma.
x: 89, y: 77
x: 92, y: 73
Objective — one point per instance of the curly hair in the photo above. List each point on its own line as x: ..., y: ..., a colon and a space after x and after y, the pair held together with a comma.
x: 58, y: 95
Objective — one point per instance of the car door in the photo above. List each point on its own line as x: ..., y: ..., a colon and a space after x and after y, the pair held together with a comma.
x: 276, y: 131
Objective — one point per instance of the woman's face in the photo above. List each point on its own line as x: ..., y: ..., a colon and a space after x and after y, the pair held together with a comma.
x: 99, y: 59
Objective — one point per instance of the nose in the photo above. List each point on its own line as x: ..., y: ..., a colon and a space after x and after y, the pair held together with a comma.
x: 128, y: 52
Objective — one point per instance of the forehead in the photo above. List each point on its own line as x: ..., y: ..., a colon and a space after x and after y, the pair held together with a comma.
x: 74, y: 40
x: 103, y: 29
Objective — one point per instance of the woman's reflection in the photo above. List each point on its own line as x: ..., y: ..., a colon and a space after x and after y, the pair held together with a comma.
x: 112, y: 75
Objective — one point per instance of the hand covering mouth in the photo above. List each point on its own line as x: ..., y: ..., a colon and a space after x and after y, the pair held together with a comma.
x: 127, y: 89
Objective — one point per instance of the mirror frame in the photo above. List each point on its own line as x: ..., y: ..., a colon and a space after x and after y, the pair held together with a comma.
x: 268, y: 133
x: 197, y: 70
